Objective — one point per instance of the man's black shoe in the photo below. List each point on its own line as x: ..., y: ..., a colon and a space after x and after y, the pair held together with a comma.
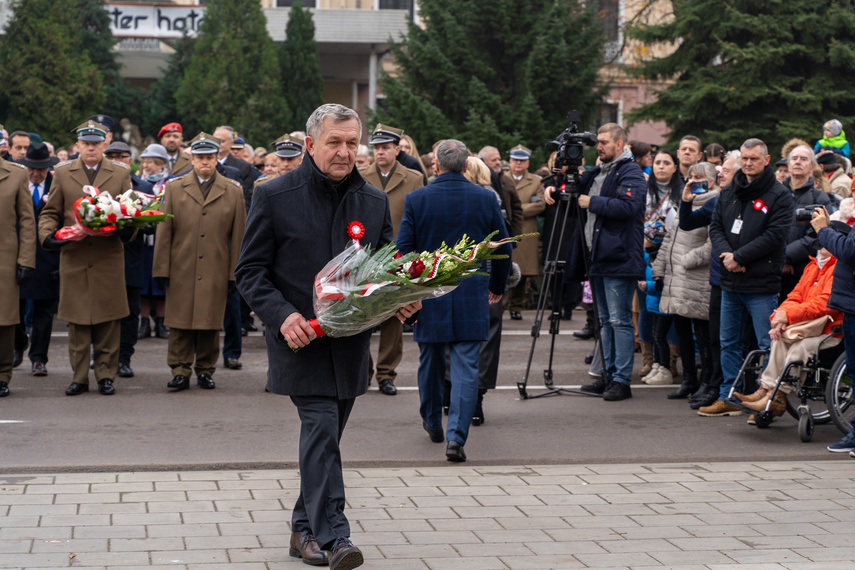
x: 436, y: 435
x: 179, y: 382
x: 205, y: 381
x: 105, y: 387
x: 589, y: 358
x: 244, y: 332
x: 617, y: 391
x: 516, y: 316
x: 125, y: 370
x: 344, y: 555
x: 145, y: 328
x: 74, y: 389
x: 4, y: 389
x: 387, y: 387
x: 233, y: 364
x: 250, y: 326
x: 585, y: 334
x: 39, y: 369
x: 708, y: 400
x: 17, y: 358
x: 596, y: 387
x: 454, y: 452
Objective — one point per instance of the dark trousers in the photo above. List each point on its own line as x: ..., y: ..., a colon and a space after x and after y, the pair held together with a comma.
x: 7, y: 346
x: 516, y: 296
x: 391, y: 350
x: 130, y: 326
x: 686, y: 342
x: 488, y: 361
x: 714, y: 341
x: 320, y: 506
x: 232, y: 341
x: 43, y: 311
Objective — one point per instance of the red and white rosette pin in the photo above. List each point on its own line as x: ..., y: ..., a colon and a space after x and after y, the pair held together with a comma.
x: 760, y: 206
x: 355, y: 231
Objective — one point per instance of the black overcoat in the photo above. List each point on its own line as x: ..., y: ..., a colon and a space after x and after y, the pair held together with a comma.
x: 295, y: 226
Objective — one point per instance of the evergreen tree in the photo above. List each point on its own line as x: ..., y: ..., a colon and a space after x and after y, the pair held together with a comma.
x: 161, y: 107
x: 96, y: 39
x: 47, y: 85
x: 753, y: 68
x: 233, y: 75
x: 302, y: 84
x: 501, y: 76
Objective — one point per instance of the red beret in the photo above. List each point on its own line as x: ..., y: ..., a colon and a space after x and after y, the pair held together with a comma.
x: 170, y: 128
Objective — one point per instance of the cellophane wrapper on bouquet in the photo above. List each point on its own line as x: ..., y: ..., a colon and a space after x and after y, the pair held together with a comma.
x: 358, y: 290
x: 99, y: 214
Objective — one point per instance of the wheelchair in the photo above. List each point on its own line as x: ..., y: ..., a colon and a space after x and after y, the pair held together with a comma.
x: 827, y: 384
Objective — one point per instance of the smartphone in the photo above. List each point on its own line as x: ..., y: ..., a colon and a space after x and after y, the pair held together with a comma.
x: 699, y: 187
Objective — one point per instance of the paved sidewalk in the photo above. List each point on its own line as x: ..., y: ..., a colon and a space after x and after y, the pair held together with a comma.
x: 756, y: 516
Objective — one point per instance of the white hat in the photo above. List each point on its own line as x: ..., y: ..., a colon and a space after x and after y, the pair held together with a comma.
x: 155, y: 151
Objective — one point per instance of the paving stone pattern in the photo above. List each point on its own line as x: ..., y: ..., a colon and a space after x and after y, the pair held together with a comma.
x: 752, y: 516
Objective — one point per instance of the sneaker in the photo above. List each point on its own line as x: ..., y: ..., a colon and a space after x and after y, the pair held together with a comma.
x: 597, y: 387
x: 663, y: 377
x: 653, y: 371
x: 845, y: 445
x: 852, y: 454
x: 719, y: 408
x: 617, y: 391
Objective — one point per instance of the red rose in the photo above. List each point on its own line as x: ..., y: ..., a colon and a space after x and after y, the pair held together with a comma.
x: 111, y: 218
x: 398, y: 255
x: 416, y: 268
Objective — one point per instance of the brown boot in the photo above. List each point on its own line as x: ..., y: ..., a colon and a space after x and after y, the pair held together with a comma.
x: 303, y: 545
x: 761, y: 392
x: 777, y: 407
x: 675, y: 356
x: 646, y: 359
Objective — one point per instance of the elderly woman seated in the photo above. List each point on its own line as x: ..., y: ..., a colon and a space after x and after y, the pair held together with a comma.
x: 800, y: 325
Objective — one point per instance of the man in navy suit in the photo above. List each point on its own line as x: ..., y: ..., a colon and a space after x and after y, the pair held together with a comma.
x: 458, y: 322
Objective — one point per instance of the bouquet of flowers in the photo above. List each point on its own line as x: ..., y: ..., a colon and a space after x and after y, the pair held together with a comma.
x: 98, y: 213
x: 358, y: 290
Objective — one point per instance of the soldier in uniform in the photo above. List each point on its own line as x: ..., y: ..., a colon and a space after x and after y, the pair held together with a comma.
x: 92, y: 295
x: 396, y: 181
x: 195, y: 253
x: 171, y: 136
x: 525, y: 255
x: 17, y: 257
x: 287, y: 156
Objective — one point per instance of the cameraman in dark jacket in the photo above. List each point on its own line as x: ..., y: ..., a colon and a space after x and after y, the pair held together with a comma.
x: 614, y: 194
x: 749, y: 229
x: 800, y: 246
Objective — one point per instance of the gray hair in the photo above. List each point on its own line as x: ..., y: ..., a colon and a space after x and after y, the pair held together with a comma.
x: 339, y: 113
x: 231, y: 131
x: 362, y: 150
x: 451, y: 155
x: 704, y: 170
x: 754, y: 143
x: 809, y: 151
x: 482, y: 154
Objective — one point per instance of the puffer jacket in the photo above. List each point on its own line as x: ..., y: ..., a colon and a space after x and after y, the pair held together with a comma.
x: 684, y: 263
x: 809, y: 299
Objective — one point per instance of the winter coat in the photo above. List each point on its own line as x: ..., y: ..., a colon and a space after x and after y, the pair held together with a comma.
x: 842, y: 247
x: 652, y: 296
x: 693, y: 219
x: 18, y: 241
x: 841, y: 184
x: 533, y: 204
x: 800, y: 245
x: 765, y: 209
x: 683, y: 263
x: 809, y: 299
x: 401, y: 182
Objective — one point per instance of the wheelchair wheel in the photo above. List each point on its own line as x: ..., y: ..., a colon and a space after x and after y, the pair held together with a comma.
x: 806, y: 424
x: 839, y: 396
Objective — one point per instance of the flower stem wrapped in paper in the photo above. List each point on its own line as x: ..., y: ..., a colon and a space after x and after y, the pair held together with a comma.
x: 358, y: 290
x: 98, y: 213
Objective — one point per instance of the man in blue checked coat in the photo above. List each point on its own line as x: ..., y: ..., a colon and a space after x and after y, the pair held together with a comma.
x: 444, y: 211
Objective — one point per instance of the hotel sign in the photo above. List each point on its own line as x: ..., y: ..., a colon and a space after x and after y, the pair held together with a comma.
x: 154, y: 21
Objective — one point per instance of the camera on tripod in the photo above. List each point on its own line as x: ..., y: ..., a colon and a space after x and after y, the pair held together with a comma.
x: 571, y: 146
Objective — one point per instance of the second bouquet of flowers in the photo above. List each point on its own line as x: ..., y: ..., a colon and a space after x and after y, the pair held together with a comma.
x: 98, y: 213
x: 358, y: 290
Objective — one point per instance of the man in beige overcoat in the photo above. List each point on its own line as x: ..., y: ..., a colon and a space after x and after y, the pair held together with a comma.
x: 525, y: 255
x: 92, y: 295
x: 195, y: 254
x: 17, y: 257
x: 396, y: 180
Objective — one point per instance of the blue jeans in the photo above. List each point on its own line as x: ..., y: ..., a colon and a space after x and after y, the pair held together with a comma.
x: 735, y: 308
x: 849, y: 344
x: 232, y: 341
x: 464, y: 385
x: 614, y: 303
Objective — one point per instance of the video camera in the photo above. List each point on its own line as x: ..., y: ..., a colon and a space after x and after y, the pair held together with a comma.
x: 570, y: 144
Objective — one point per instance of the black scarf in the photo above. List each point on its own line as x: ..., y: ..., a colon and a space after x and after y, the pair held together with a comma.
x: 747, y: 191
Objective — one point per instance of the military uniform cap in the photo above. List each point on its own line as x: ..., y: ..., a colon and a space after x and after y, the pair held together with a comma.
x: 385, y: 134
x: 239, y: 142
x: 519, y: 152
x: 91, y: 131
x: 205, y: 144
x: 288, y: 147
x: 105, y: 120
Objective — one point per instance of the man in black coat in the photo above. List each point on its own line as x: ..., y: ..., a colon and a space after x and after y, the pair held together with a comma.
x: 43, y: 288
x: 283, y: 250
x: 749, y: 229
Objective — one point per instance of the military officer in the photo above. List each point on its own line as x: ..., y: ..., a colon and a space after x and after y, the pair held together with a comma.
x: 396, y: 180
x: 288, y: 155
x: 525, y: 255
x: 195, y: 254
x: 171, y: 136
x: 92, y: 295
x: 17, y: 256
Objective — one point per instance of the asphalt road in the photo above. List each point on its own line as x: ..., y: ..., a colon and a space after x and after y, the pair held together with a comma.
x: 238, y: 425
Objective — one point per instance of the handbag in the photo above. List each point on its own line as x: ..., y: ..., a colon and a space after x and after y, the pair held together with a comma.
x: 806, y: 329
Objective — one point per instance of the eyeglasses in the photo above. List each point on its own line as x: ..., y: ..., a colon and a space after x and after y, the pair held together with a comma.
x: 118, y: 156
